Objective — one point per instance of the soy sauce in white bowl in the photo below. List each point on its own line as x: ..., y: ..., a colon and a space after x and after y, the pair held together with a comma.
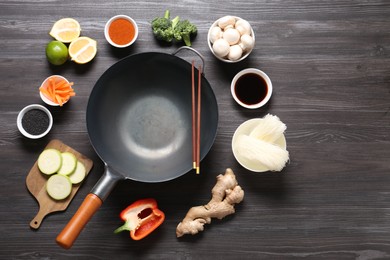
x: 251, y: 88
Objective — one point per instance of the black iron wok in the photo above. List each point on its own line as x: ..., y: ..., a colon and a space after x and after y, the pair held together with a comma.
x: 139, y: 123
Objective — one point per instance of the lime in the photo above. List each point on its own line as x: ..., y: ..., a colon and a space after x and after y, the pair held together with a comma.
x: 56, y: 52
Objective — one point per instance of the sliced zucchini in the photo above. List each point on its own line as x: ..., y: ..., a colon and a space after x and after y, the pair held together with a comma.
x: 59, y: 186
x: 79, y: 173
x: 49, y: 161
x: 68, y: 165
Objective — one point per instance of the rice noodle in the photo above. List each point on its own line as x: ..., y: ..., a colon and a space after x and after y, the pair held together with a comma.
x: 269, y: 129
x: 268, y: 154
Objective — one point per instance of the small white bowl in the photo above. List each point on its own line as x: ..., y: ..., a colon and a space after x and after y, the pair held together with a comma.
x: 265, y: 88
x: 46, y: 82
x: 245, y: 129
x: 114, y: 18
x: 225, y: 59
x: 23, y: 112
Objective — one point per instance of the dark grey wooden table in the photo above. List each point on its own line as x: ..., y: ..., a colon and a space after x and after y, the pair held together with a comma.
x: 330, y: 66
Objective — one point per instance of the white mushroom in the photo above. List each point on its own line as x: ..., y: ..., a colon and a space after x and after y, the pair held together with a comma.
x: 243, y: 27
x: 226, y: 21
x: 215, y: 34
x: 221, y: 48
x: 228, y: 27
x: 246, y: 42
x: 235, y: 52
x: 232, y: 36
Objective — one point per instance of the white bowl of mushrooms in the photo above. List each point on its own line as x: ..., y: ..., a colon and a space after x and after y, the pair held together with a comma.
x: 231, y: 39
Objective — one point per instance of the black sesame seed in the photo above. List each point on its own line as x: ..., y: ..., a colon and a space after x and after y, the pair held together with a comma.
x: 35, y: 122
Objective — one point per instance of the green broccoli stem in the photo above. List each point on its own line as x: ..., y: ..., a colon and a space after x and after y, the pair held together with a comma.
x: 187, y: 39
x: 175, y: 21
x: 167, y: 14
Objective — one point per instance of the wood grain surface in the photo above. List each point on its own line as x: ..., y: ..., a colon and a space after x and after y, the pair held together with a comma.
x: 329, y: 62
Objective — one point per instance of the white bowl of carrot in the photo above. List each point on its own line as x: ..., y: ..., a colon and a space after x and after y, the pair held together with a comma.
x: 56, y: 90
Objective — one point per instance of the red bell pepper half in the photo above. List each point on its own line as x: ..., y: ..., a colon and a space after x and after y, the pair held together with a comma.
x: 141, y: 218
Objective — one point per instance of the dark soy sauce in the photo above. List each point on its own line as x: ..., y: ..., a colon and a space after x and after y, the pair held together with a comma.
x: 251, y: 88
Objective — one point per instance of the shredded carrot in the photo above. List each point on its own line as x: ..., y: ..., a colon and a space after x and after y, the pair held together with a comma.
x: 58, y: 92
x: 49, y: 89
x: 62, y: 84
x: 52, y: 85
x: 45, y: 92
x: 59, y: 100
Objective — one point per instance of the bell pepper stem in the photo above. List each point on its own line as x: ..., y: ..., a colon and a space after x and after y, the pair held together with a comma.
x: 124, y: 227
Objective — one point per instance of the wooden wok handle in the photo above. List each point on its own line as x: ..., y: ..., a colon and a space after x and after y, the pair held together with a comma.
x: 69, y: 234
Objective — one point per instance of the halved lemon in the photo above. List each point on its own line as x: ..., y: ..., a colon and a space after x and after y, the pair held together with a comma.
x: 65, y: 30
x: 82, y: 50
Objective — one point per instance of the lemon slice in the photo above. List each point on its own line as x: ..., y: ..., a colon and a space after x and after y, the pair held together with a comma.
x: 82, y: 50
x: 65, y: 30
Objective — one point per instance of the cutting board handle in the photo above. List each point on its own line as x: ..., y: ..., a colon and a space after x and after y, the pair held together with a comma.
x: 37, y: 220
x: 88, y: 208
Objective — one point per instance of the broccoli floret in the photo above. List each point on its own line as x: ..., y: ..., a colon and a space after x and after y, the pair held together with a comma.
x: 163, y: 27
x: 184, y: 30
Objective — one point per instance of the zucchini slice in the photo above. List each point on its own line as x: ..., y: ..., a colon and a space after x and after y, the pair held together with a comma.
x: 69, y: 162
x: 59, y: 186
x: 79, y: 174
x: 49, y: 161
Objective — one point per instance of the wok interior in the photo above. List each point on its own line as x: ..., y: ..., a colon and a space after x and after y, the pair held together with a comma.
x: 139, y: 117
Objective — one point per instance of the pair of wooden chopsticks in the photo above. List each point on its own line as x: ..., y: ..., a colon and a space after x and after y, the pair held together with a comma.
x: 196, y: 110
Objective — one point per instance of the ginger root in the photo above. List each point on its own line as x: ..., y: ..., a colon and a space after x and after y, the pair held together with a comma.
x: 225, y: 194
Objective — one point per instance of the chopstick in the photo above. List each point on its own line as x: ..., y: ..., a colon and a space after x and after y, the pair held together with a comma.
x: 196, y: 119
x: 193, y: 117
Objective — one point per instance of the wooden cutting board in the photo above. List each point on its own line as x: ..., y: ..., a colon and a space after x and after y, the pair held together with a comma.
x: 36, y: 182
